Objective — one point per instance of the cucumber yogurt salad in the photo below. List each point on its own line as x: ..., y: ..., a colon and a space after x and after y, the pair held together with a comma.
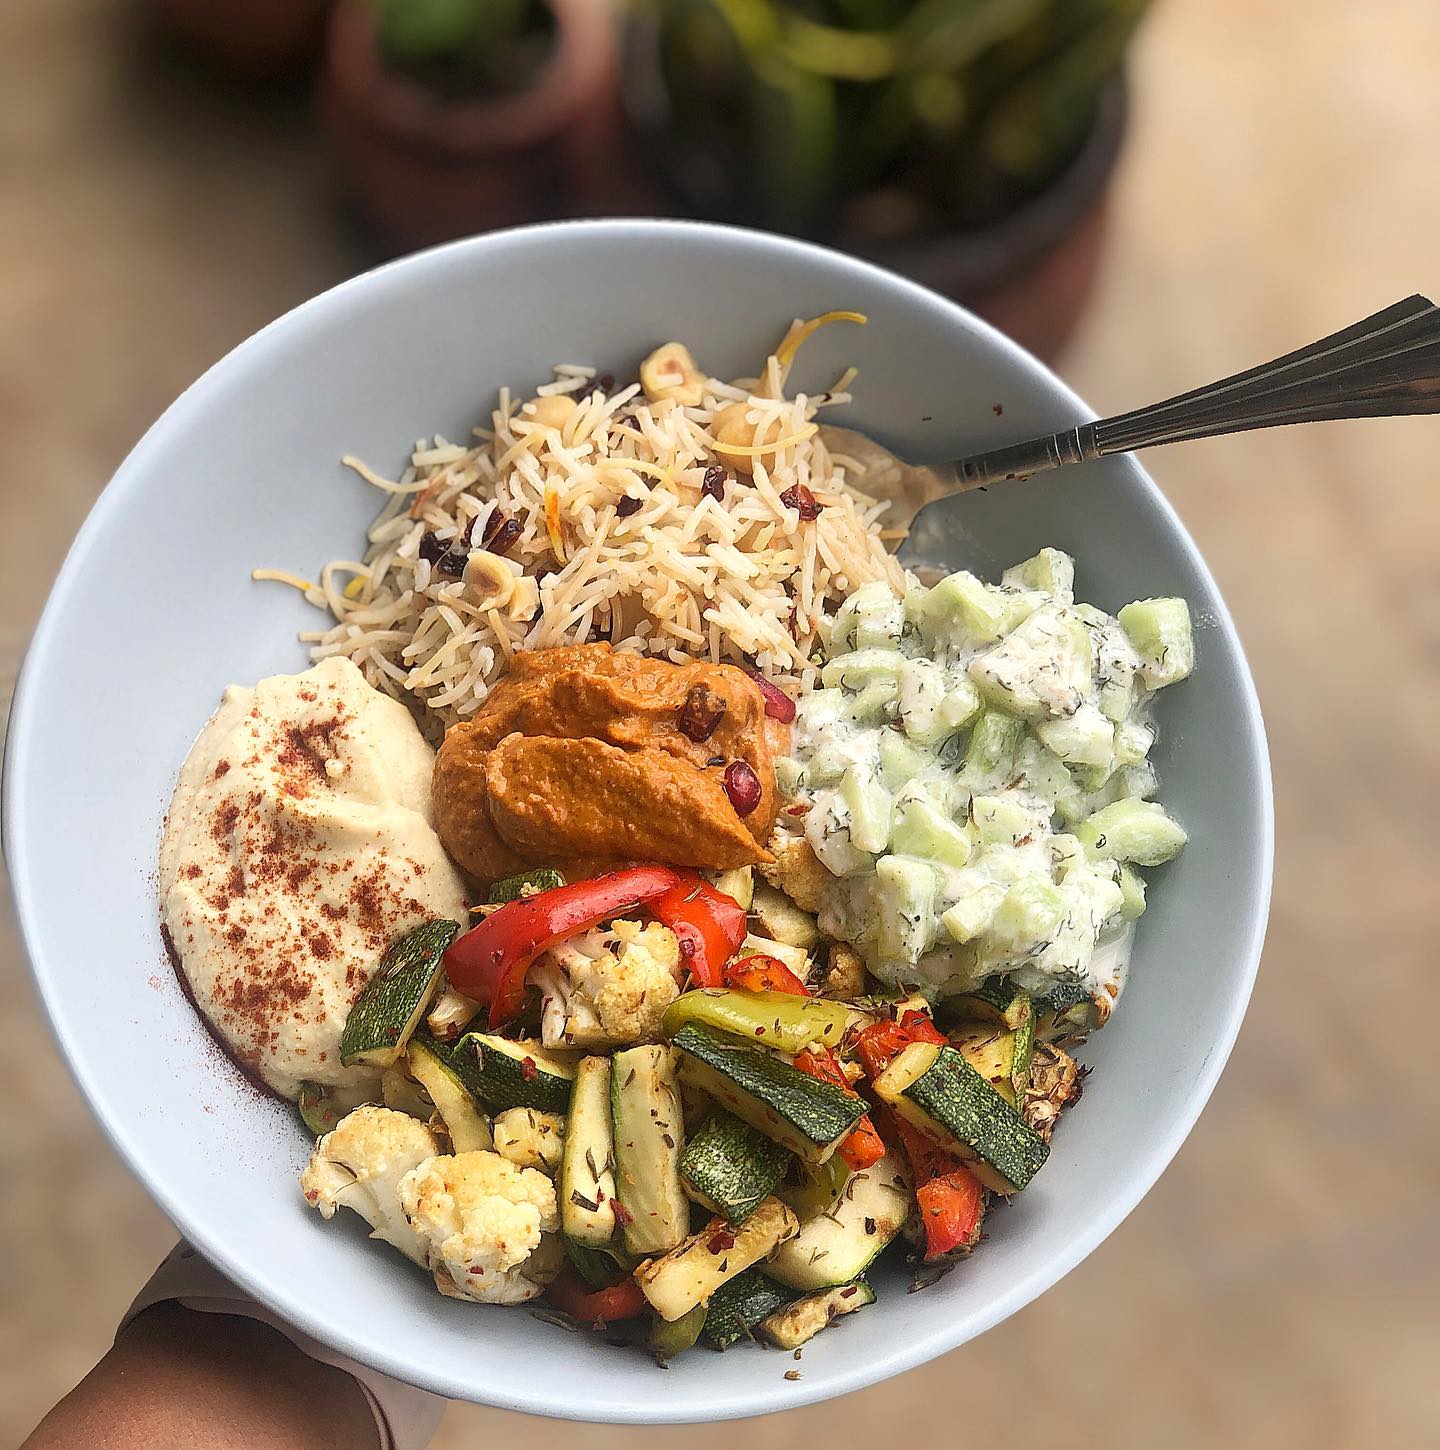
x: 974, y: 777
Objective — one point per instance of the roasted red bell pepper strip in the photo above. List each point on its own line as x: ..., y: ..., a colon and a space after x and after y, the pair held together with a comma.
x: 881, y: 1041
x: 708, y: 924
x: 489, y: 963
x: 950, y: 1198
x: 569, y: 1293
x: 764, y: 974
x: 862, y: 1146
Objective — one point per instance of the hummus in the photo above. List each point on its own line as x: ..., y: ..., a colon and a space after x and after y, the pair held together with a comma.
x: 298, y: 846
x: 582, y: 757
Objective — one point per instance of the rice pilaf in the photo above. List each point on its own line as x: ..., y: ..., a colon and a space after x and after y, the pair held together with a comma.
x: 590, y: 512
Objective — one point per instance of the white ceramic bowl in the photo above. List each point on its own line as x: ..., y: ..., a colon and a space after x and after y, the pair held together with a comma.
x: 154, y: 613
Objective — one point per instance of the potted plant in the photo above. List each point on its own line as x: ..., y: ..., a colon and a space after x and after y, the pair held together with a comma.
x: 253, y: 38
x: 455, y: 116
x: 966, y: 142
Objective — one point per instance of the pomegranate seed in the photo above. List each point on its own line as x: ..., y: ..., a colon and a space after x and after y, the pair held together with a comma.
x: 742, y: 785
x: 778, y: 705
x: 700, y: 713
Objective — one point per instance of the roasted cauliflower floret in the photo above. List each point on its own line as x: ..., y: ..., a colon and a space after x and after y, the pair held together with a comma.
x: 488, y: 1228
x: 796, y: 870
x: 359, y: 1165
x: 609, y: 988
x: 529, y: 1138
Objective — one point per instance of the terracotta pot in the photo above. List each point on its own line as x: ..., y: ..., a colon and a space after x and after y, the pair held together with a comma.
x: 422, y: 169
x: 254, y: 38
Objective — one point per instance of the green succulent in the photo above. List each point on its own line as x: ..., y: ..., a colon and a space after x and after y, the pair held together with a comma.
x: 796, y: 109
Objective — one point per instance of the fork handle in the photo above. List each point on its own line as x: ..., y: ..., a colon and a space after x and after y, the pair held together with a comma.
x: 1383, y: 366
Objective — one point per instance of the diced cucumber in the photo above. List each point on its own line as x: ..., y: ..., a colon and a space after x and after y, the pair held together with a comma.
x: 861, y: 668
x: 790, y: 776
x: 900, y: 761
x: 1115, y: 665
x: 960, y: 609
x: 1084, y: 738
x: 1007, y: 820
x: 1132, y: 830
x: 936, y: 1090
x: 1039, y: 671
x: 921, y: 691
x: 874, y: 705
x: 1049, y: 571
x: 1042, y: 774
x: 871, y: 616
x: 692, y: 1271
x: 870, y: 806
x: 1132, y: 894
x: 587, y: 1171
x: 800, y: 1322
x: 649, y: 1138
x: 921, y: 830
x: 992, y: 749
x: 838, y: 1246
x: 1133, y: 740
x: 906, y: 889
x: 1160, y: 631
x: 730, y: 1167
x: 828, y: 764
x: 1029, y: 915
x: 1139, y: 781
x: 827, y: 828
x: 962, y: 701
x: 972, y: 914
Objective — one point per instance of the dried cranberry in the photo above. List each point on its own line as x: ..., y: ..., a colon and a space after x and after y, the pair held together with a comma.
x: 714, y: 482
x: 500, y: 533
x: 742, y: 785
x: 778, y: 705
x: 629, y: 505
x: 802, y: 501
x: 700, y: 713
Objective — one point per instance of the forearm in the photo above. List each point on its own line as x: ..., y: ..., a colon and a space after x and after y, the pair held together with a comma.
x: 178, y: 1377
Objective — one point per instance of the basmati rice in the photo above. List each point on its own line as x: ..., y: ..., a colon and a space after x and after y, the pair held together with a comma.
x: 679, y: 574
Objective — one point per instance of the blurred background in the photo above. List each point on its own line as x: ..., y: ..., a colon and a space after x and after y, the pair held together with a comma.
x: 1149, y: 196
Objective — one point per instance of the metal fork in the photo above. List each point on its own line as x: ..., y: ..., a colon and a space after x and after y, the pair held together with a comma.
x: 1385, y: 365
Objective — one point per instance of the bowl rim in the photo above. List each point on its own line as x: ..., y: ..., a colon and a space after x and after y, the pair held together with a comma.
x: 906, y: 1354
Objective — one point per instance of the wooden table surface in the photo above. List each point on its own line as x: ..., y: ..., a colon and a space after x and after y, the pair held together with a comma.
x: 1279, y: 1287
